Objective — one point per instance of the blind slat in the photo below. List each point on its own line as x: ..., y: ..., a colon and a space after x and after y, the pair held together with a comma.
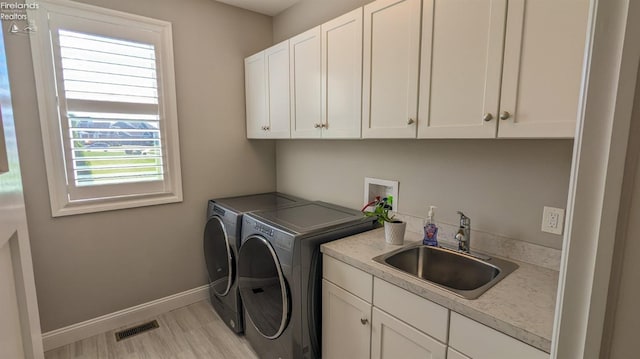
x: 108, y: 68
x: 110, y: 97
x: 120, y: 111
x: 98, y: 89
x: 68, y: 53
x: 88, y: 76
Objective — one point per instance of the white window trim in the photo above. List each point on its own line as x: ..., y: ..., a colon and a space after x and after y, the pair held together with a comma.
x: 50, y: 124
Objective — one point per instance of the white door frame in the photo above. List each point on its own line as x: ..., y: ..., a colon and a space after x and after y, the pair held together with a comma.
x: 13, y: 227
x: 613, y: 54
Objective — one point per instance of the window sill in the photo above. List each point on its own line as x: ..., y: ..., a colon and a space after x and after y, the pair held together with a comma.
x: 93, y: 206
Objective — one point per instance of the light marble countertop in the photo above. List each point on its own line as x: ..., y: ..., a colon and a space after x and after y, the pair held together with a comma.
x: 522, y: 305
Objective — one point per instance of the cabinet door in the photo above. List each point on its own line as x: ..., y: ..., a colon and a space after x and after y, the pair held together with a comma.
x: 342, y: 76
x: 306, y: 80
x: 255, y: 95
x: 461, y: 67
x: 543, y: 65
x: 277, y: 68
x: 391, y: 339
x: 346, y: 329
x: 390, y: 68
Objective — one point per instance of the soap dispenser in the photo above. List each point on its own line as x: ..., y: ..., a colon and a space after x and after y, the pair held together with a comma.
x: 430, y: 229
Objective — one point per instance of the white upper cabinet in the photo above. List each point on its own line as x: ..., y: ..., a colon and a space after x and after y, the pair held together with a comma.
x: 255, y: 85
x: 426, y: 69
x: 277, y: 63
x: 472, y: 88
x: 462, y: 44
x: 390, y: 68
x: 326, y: 79
x: 306, y: 84
x: 342, y: 76
x: 267, y: 92
x: 543, y: 61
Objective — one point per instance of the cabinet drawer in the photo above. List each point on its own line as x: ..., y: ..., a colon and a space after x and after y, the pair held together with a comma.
x: 421, y: 313
x: 347, y: 277
x: 481, y: 342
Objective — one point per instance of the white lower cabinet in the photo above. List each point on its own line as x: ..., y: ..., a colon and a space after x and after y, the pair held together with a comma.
x: 367, y: 317
x: 346, y: 324
x: 346, y: 310
x: 350, y: 330
x: 392, y: 338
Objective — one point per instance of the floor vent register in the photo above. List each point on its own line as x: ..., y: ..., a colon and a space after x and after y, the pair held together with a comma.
x: 128, y: 333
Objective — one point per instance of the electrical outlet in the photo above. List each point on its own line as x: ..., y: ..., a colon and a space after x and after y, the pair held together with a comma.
x: 552, y: 220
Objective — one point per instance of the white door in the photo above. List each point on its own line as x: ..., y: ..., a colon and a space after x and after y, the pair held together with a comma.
x: 461, y: 68
x: 346, y: 323
x: 277, y: 62
x: 342, y: 76
x: 306, y: 84
x: 542, y: 72
x: 255, y: 95
x: 390, y: 68
x: 20, y: 335
x: 392, y: 338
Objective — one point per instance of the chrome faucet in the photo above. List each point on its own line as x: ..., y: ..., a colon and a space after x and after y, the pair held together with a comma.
x: 464, y: 233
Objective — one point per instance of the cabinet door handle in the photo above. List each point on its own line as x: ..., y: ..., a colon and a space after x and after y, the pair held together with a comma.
x: 324, y: 125
x: 364, y: 321
x: 487, y: 117
x: 316, y: 125
x: 266, y: 128
x: 411, y: 121
x: 505, y: 115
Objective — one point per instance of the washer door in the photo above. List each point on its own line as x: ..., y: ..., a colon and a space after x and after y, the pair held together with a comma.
x: 218, y: 255
x: 263, y: 287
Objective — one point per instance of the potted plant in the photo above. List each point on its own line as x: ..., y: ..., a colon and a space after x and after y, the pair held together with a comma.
x: 393, y: 229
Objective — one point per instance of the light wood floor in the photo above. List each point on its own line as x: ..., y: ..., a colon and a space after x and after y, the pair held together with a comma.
x: 192, y: 332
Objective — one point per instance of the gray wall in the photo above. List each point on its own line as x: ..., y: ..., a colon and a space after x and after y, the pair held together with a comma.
x: 501, y: 184
x: 94, y: 264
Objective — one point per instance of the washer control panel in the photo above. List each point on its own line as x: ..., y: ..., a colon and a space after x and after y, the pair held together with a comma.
x: 266, y: 230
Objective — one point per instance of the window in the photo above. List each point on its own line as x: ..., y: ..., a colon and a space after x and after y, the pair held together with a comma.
x: 106, y: 96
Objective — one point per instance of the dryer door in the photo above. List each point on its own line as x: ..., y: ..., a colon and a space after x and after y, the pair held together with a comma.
x: 218, y: 255
x: 263, y: 287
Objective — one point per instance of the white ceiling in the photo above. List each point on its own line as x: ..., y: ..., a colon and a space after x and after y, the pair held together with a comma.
x: 267, y: 7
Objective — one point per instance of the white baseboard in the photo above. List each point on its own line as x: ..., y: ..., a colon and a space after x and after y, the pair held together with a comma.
x: 73, y: 333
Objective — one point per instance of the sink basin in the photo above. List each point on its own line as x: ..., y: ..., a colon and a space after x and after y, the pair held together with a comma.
x: 454, y: 271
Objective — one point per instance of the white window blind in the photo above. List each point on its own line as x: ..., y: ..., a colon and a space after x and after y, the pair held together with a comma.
x: 108, y: 148
x: 114, y: 138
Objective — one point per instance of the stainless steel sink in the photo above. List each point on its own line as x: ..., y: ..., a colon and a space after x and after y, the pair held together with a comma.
x: 454, y: 271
